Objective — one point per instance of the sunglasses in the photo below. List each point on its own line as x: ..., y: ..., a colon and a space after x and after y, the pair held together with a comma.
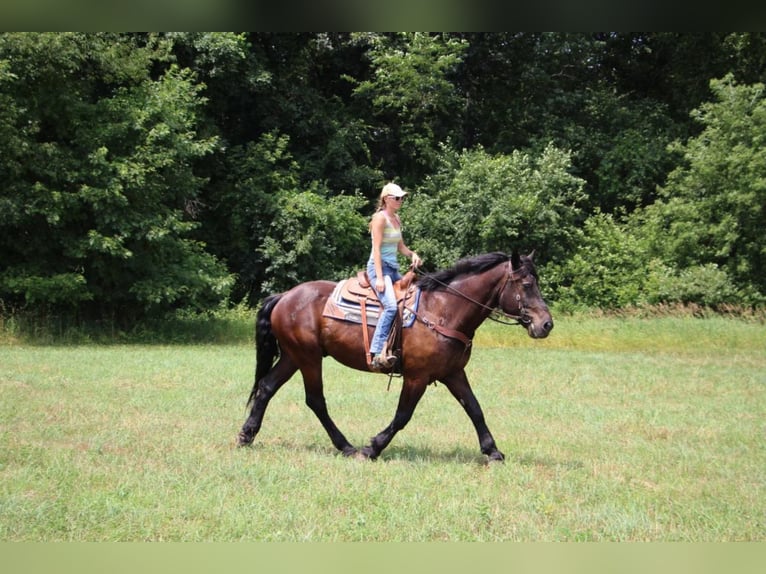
x: 396, y: 198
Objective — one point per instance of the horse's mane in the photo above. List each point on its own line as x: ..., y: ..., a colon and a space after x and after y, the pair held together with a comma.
x: 467, y: 266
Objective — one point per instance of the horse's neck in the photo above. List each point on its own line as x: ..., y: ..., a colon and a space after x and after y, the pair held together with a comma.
x: 466, y: 303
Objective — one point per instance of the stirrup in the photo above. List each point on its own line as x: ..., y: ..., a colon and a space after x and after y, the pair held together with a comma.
x: 380, y: 364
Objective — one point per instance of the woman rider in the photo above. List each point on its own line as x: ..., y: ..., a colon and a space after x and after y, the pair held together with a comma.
x: 383, y: 267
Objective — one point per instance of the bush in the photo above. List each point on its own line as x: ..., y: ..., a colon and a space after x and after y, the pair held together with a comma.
x: 477, y: 203
x: 706, y: 285
x: 607, y: 270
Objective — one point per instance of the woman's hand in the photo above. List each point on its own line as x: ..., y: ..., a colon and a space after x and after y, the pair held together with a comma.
x: 416, y: 260
x: 380, y: 284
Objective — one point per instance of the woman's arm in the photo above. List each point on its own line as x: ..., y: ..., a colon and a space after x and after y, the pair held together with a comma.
x: 407, y: 252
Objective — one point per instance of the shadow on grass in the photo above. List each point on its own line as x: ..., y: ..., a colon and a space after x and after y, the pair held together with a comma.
x: 425, y: 455
x: 394, y: 453
x: 465, y: 455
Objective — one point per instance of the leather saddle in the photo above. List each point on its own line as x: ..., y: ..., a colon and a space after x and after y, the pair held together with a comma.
x: 358, y: 287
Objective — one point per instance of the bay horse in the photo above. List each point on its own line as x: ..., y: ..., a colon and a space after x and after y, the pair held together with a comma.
x: 291, y: 329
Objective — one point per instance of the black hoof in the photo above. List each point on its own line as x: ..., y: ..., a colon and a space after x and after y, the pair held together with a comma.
x: 244, y: 440
x: 350, y: 451
x: 496, y: 456
x: 367, y: 453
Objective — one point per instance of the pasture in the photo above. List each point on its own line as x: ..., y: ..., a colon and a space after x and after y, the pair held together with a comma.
x: 615, y: 429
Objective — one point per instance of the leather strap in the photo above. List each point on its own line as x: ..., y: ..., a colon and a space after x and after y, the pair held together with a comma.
x: 447, y: 332
x: 365, y: 332
x: 453, y: 334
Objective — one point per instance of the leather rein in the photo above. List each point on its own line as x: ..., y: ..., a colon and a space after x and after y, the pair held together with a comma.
x: 511, y: 275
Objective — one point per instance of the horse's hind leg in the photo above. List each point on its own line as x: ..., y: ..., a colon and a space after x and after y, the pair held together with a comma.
x: 315, y: 400
x: 267, y: 388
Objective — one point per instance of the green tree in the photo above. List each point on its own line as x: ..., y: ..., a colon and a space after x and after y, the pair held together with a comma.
x: 608, y: 268
x: 413, y: 100
x: 242, y: 205
x: 477, y: 202
x: 713, y: 208
x: 313, y: 236
x: 303, y: 91
x: 99, y: 200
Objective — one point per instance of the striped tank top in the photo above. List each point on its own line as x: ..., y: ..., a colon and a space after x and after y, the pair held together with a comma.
x: 390, y: 244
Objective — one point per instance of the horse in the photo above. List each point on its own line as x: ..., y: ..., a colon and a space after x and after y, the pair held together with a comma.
x: 454, y: 302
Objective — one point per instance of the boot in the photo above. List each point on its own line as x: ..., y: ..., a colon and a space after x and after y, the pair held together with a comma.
x: 381, y: 363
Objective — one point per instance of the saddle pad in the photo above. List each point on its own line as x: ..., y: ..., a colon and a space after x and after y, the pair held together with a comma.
x: 337, y: 307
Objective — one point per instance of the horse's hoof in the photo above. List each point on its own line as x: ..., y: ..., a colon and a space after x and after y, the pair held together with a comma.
x: 350, y: 451
x: 366, y: 454
x: 496, y: 456
x: 243, y: 440
x: 360, y: 455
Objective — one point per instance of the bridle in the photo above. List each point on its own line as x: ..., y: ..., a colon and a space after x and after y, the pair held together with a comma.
x: 511, y: 276
x: 497, y: 314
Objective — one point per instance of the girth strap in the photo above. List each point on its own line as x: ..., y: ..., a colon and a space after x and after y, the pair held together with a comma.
x: 447, y: 332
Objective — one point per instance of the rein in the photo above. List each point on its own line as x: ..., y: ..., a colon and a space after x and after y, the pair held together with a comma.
x: 518, y: 319
x: 452, y: 333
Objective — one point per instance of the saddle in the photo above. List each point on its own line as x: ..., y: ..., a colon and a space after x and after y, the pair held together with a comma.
x: 359, y: 287
x: 356, y: 300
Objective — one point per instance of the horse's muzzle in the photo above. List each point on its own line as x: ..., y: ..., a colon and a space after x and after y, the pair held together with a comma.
x: 538, y: 329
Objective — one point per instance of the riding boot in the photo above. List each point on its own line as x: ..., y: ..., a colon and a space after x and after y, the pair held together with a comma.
x: 382, y: 363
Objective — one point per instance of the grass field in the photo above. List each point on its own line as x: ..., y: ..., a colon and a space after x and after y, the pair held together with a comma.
x: 614, y: 429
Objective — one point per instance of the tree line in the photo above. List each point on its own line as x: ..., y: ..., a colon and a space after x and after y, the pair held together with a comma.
x: 148, y: 172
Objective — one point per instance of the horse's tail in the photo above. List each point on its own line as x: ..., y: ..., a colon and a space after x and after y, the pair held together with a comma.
x: 266, y: 344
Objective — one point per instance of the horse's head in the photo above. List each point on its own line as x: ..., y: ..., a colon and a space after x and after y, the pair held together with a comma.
x: 521, y: 297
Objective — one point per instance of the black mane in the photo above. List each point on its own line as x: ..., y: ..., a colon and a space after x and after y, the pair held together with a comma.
x: 469, y: 265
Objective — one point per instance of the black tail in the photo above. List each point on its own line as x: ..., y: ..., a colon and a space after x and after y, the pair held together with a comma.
x: 266, y: 344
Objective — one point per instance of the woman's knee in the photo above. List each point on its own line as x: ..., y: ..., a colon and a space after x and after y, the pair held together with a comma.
x: 389, y: 310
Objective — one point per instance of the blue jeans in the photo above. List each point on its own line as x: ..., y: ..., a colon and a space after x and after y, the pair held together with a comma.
x: 388, y: 302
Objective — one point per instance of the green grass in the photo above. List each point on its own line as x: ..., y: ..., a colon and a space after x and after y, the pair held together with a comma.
x: 613, y: 428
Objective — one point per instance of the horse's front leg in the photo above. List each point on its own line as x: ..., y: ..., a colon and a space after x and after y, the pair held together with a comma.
x: 412, y: 391
x: 460, y: 388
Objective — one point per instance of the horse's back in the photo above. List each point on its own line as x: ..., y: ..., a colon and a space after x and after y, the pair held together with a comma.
x: 299, y: 324
x: 303, y: 302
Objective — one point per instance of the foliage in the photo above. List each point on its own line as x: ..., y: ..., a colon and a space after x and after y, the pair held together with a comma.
x: 411, y: 96
x: 101, y: 211
x: 243, y: 204
x: 313, y: 236
x: 146, y: 172
x: 607, y: 269
x: 477, y: 202
x: 614, y: 268
x: 705, y: 285
x: 713, y: 208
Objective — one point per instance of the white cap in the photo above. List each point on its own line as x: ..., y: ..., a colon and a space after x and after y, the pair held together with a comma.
x: 392, y: 189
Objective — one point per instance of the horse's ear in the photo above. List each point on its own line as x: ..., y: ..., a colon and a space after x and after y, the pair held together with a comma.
x: 515, y: 259
x: 532, y: 255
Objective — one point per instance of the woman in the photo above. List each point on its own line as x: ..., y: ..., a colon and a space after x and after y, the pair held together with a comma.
x: 383, y: 267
